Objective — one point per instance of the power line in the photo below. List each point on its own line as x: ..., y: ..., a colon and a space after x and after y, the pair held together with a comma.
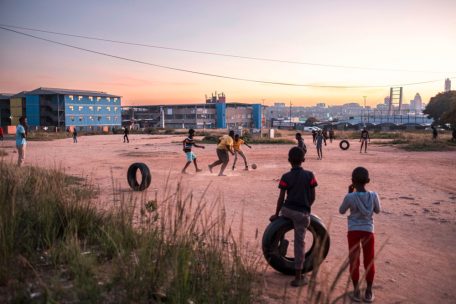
x: 224, y: 54
x: 210, y: 74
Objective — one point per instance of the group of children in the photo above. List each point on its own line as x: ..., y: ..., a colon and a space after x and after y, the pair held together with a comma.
x: 297, y: 195
x: 230, y: 143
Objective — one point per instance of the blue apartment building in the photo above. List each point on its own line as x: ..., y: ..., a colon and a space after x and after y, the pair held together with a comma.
x: 87, y: 110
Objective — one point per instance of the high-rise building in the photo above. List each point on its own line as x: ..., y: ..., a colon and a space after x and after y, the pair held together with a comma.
x: 447, y: 85
x: 416, y: 104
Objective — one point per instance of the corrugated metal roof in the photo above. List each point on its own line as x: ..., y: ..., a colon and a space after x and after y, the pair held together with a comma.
x: 47, y: 91
x: 5, y: 95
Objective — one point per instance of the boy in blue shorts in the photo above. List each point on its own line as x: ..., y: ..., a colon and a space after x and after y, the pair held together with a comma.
x: 187, y: 146
x: 299, y: 187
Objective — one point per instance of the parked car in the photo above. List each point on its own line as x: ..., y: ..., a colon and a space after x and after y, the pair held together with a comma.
x: 310, y: 129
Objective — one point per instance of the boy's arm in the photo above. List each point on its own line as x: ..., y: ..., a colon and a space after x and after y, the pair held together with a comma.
x: 312, y: 195
x: 345, y: 206
x: 250, y: 147
x: 183, y: 143
x: 377, y: 206
x: 279, y: 205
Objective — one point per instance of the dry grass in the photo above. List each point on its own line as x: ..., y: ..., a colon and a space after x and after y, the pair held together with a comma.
x: 57, y: 247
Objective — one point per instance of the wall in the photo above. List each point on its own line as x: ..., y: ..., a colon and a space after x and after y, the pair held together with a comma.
x: 257, y: 115
x: 221, y: 115
x: 32, y: 106
x: 83, y: 111
x: 16, y: 110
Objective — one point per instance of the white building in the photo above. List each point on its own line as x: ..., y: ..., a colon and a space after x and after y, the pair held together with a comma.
x: 416, y: 104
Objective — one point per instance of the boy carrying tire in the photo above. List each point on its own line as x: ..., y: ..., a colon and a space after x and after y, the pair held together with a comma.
x: 299, y: 187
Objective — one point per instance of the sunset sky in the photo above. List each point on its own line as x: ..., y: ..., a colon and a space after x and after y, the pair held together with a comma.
x: 414, y: 35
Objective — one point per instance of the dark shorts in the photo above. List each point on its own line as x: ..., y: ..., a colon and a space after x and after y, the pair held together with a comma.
x: 223, y: 155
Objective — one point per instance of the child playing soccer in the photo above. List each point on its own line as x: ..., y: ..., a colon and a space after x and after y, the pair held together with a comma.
x: 301, y: 143
x: 187, y: 146
x: 237, y: 150
x: 319, y: 143
x: 362, y: 205
x: 299, y: 187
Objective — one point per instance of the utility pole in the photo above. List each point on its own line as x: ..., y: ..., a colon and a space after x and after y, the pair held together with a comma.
x: 261, y: 117
x: 290, y: 112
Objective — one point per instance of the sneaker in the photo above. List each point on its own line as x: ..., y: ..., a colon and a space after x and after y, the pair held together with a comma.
x: 246, y: 168
x: 355, y: 296
x: 298, y: 283
x: 232, y: 168
x: 199, y: 170
x: 210, y: 168
x: 369, y: 297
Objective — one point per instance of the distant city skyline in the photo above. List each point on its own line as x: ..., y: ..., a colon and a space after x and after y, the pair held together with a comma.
x: 413, y: 35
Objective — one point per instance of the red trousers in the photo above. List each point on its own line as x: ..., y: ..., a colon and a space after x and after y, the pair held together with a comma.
x: 366, y: 240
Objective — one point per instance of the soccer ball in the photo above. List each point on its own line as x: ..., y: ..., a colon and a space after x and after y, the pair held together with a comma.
x: 254, y: 166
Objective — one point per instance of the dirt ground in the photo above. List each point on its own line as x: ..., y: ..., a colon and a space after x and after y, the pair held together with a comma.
x: 417, y: 191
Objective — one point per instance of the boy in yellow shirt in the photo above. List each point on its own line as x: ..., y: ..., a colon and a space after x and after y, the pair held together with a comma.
x: 237, y: 150
x: 224, y: 146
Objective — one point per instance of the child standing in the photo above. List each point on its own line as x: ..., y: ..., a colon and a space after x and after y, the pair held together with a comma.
x: 187, y: 146
x: 319, y: 143
x: 75, y: 136
x: 362, y: 205
x: 237, y: 150
x: 299, y: 187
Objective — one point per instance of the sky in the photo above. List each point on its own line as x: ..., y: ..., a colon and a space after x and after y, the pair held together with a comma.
x: 413, y: 35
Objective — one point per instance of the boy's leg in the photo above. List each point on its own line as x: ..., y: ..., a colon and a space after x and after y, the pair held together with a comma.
x: 368, y: 244
x: 217, y: 162
x: 235, y: 159
x: 353, y: 255
x: 245, y: 158
x: 186, y: 166
x: 225, y: 158
x: 195, y: 163
x: 300, y: 222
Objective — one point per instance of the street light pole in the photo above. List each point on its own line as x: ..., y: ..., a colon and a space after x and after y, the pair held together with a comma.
x: 290, y: 112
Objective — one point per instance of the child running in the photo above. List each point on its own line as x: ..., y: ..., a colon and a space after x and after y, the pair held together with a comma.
x: 319, y: 143
x: 301, y: 143
x: 237, y: 150
x: 187, y: 146
x: 364, y: 138
x: 299, y: 186
x: 362, y: 205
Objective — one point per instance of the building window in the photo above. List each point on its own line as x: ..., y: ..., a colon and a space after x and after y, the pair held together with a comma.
x: 90, y: 98
x: 108, y: 117
x: 116, y: 118
x: 70, y: 97
x: 108, y: 108
x: 79, y: 97
x: 91, y: 118
x: 99, y: 118
x: 98, y: 98
x: 115, y: 109
x: 91, y: 108
x: 80, y: 118
x: 80, y: 108
x: 72, y: 118
x: 71, y: 108
x: 98, y: 109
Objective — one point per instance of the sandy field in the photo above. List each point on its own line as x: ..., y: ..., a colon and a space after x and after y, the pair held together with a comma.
x: 417, y: 189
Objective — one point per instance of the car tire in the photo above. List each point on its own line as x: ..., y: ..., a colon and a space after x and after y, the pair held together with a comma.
x: 344, y: 144
x: 146, y: 177
x: 275, y: 245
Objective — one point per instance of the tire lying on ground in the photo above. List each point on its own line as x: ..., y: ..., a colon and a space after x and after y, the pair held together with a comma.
x: 275, y: 246
x: 344, y: 144
x: 146, y: 177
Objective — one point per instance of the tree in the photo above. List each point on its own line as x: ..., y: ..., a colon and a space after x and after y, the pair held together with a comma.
x: 311, y: 121
x: 442, y: 108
